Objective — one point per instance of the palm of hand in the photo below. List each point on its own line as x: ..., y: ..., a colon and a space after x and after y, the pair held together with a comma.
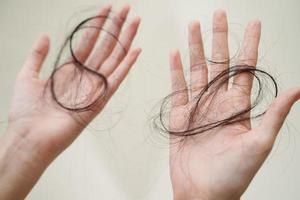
x: 55, y: 127
x: 35, y: 116
x: 219, y: 163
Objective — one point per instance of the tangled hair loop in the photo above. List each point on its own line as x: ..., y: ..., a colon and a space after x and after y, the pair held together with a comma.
x: 75, y: 86
x: 207, y: 94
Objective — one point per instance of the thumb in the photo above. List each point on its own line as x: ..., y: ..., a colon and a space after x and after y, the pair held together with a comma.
x: 36, y: 57
x: 278, y: 111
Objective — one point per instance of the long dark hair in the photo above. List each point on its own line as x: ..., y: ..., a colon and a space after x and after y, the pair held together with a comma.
x: 100, y: 86
x: 265, y: 83
x: 60, y: 87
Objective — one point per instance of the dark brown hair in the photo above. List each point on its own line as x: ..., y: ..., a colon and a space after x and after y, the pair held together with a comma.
x: 159, y: 121
x: 265, y: 83
x: 79, y: 71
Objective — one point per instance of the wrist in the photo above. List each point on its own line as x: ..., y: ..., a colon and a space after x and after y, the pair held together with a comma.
x: 185, y: 197
x: 29, y: 143
x: 22, y: 146
x: 21, y: 165
x: 176, y: 198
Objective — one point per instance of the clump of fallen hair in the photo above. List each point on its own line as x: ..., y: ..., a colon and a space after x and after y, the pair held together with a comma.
x: 69, y: 78
x: 265, y: 83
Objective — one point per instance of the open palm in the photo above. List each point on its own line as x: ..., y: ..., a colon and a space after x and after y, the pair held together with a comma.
x: 220, y: 163
x: 36, y: 117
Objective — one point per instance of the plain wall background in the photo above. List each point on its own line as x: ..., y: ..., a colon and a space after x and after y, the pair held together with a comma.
x: 118, y: 157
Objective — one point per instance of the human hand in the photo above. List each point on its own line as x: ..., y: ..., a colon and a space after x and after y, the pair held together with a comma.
x: 220, y: 163
x: 38, y: 128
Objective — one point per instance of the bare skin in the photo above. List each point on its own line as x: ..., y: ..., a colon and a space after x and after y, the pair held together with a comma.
x: 29, y: 147
x: 220, y: 164
x: 217, y: 165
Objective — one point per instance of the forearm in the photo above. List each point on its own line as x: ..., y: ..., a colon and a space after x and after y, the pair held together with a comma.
x: 176, y: 198
x: 182, y: 196
x: 21, y: 165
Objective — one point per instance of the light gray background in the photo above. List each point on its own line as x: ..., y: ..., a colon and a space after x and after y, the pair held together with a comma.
x: 118, y: 157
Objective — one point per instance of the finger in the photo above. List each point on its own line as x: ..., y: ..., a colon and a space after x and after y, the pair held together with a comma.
x: 37, y: 56
x: 197, y: 59
x: 121, y: 72
x: 220, y: 51
x: 121, y: 49
x: 179, y: 87
x: 104, y: 49
x: 278, y: 111
x: 90, y: 35
x: 248, y: 56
